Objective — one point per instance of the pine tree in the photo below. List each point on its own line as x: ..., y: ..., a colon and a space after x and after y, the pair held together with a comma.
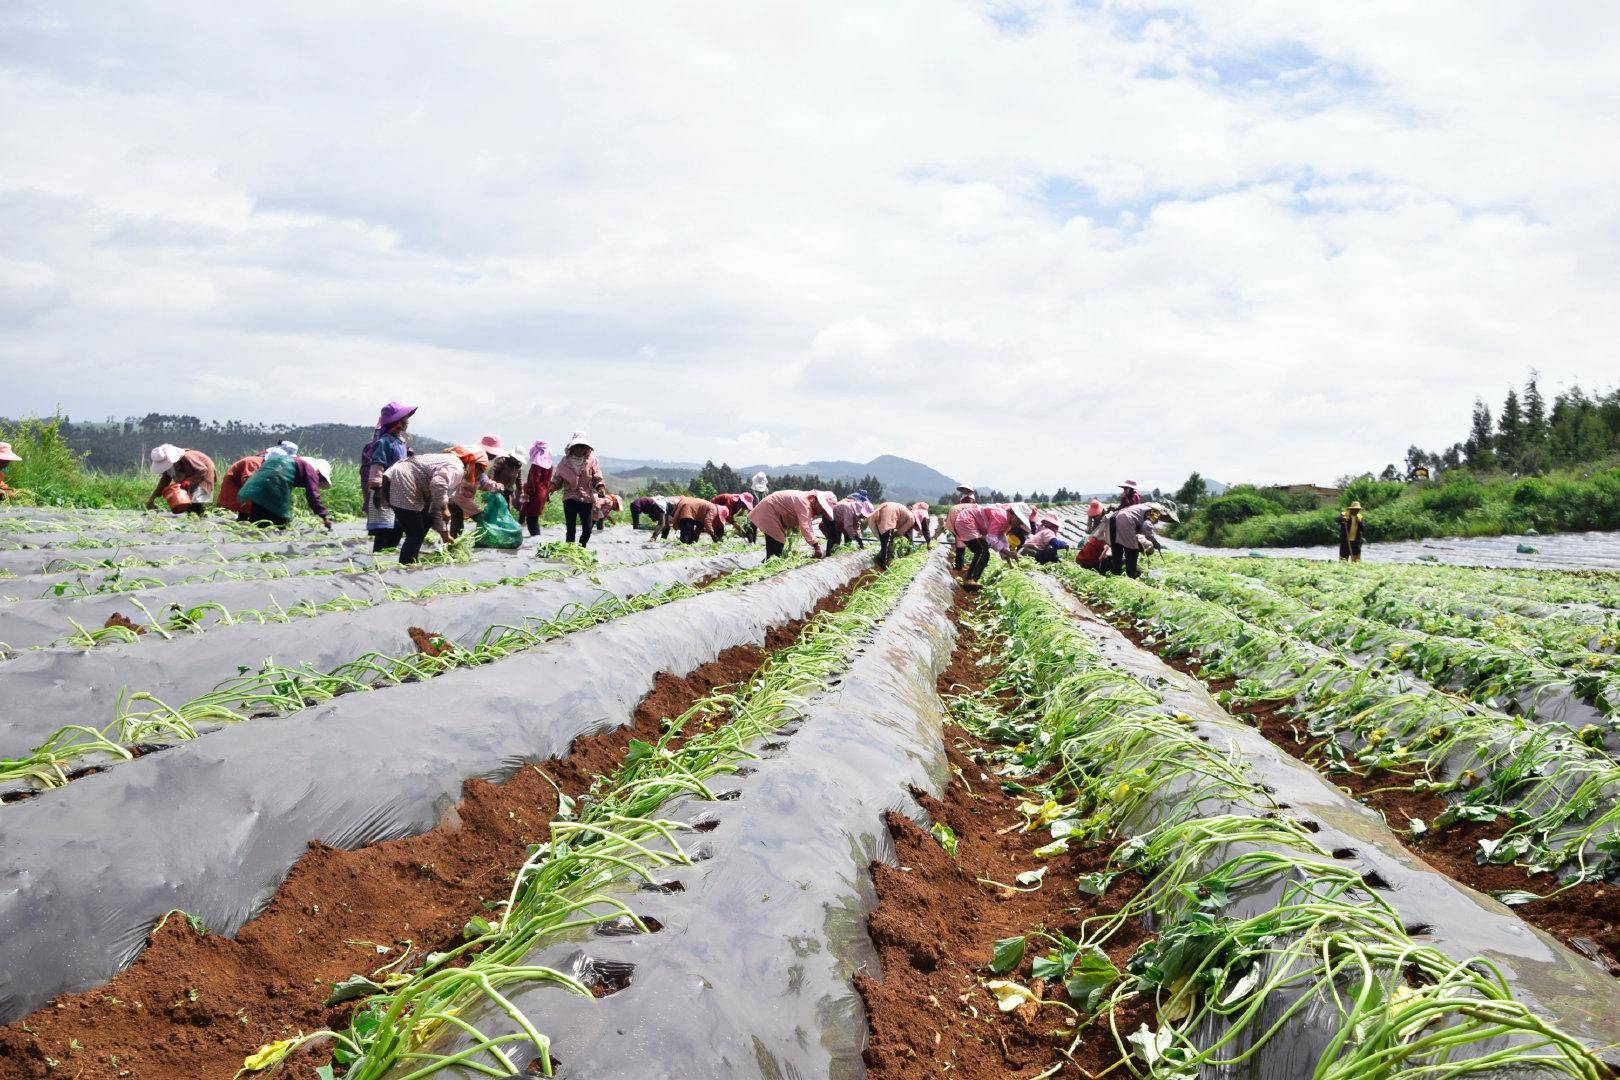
x: 1479, y: 447
x: 1532, y: 456
x: 1193, y: 491
x: 1510, y: 433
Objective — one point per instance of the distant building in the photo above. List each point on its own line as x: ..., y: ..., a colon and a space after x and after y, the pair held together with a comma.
x: 1310, y: 489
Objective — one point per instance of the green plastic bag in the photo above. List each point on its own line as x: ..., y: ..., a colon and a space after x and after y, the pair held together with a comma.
x: 497, y: 528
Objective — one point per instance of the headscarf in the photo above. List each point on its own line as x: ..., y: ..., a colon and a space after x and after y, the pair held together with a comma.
x: 165, y: 457
x: 475, y: 460
x: 540, y: 454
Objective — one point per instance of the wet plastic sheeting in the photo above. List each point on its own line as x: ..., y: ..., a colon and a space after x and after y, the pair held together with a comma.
x: 751, y: 974
x: 1555, y: 551
x: 1555, y: 982
x: 44, y: 690
x: 31, y: 623
x: 213, y: 825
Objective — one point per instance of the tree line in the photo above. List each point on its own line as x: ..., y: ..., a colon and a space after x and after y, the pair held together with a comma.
x: 1526, y: 436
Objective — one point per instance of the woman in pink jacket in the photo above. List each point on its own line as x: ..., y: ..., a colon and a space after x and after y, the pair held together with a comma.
x: 780, y: 512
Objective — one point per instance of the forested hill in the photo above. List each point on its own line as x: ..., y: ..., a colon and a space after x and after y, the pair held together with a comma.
x: 117, y: 446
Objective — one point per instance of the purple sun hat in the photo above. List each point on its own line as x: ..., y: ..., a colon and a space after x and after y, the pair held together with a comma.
x: 393, y: 413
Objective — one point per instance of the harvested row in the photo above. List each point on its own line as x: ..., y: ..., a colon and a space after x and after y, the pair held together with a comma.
x: 46, y: 560
x: 362, y: 768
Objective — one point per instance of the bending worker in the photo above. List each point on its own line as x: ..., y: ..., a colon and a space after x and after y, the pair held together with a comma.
x: 655, y: 507
x: 185, y: 479
x: 692, y: 516
x: 888, y: 520
x: 1133, y: 533
x: 267, y: 494
x: 420, y: 488
x: 781, y: 511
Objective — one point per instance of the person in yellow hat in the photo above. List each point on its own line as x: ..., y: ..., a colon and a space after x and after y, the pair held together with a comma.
x: 1352, y: 531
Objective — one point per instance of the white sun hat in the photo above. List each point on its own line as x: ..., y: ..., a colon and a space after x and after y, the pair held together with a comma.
x: 165, y: 457
x: 323, y: 469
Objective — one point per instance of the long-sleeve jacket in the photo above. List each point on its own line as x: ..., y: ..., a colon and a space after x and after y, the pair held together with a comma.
x: 735, y: 503
x: 575, y: 481
x: 231, y: 483
x: 652, y: 505
x: 847, y: 518
x: 536, y: 490
x: 1352, y: 527
x: 781, y: 511
x: 1131, y: 527
x: 891, y: 517
x: 702, y: 511
x: 194, y: 472
x: 966, y: 522
x: 425, y: 482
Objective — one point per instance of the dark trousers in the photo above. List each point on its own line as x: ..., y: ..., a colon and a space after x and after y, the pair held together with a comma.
x: 577, y: 518
x: 981, y: 557
x: 885, y: 548
x: 413, y: 529
x: 690, y: 531
x: 1130, y: 557
x: 385, y: 539
x: 532, y: 522
x: 773, y: 548
x: 1047, y: 555
x: 961, y: 557
x: 458, y: 520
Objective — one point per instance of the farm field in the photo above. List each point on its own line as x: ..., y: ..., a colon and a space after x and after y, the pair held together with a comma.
x: 269, y: 806
x: 1564, y: 551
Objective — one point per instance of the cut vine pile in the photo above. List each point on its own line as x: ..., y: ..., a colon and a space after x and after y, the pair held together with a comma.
x: 662, y: 811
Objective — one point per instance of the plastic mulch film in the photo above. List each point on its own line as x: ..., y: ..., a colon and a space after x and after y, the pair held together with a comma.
x: 33, y: 623
x: 213, y: 825
x: 1553, y: 981
x: 45, y: 690
x: 750, y: 974
x: 39, y: 560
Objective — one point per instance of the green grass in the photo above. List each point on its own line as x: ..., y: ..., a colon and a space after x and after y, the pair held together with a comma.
x: 1460, y: 505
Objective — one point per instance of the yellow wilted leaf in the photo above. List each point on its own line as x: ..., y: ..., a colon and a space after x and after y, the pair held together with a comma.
x: 268, y: 1055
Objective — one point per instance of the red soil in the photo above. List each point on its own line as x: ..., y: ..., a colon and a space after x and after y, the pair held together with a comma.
x: 935, y: 927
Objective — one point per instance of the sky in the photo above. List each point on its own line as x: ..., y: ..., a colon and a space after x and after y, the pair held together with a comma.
x: 1028, y: 244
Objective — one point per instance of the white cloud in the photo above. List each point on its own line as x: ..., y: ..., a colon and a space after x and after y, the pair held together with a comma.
x: 1051, y: 244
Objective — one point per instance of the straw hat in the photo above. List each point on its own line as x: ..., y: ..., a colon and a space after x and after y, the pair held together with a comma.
x: 7, y: 453
x: 1354, y: 505
x: 165, y: 457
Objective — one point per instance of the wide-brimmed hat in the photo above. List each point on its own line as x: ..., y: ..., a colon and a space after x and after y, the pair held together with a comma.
x: 1019, y: 514
x: 725, y: 514
x: 1163, y: 511
x: 7, y: 453
x: 1095, y: 509
x: 822, y: 503
x: 492, y: 445
x: 747, y: 499
x: 1354, y: 505
x: 578, y: 438
x: 1129, y: 485
x: 323, y: 469
x: 165, y: 457
x: 392, y: 413
x: 919, y: 508
x: 966, y: 489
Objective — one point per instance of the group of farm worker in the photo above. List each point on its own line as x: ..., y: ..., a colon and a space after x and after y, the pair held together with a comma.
x: 257, y: 488
x: 1116, y: 536
x: 406, y: 494
x: 778, y: 514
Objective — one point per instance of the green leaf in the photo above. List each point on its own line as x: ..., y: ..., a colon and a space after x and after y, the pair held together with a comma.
x: 1515, y: 897
x: 477, y: 927
x: 947, y: 839
x: 324, y: 1072
x: 1096, y: 884
x: 1008, y: 954
x: 638, y: 752
x: 1046, y: 851
x: 1092, y: 975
